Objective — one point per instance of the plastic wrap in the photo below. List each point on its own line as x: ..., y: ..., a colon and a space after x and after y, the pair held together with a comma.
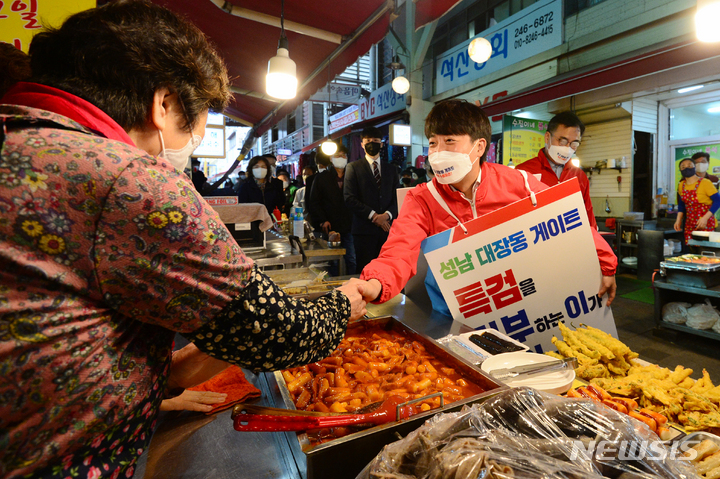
x: 524, y: 433
x: 702, y: 316
x: 675, y: 312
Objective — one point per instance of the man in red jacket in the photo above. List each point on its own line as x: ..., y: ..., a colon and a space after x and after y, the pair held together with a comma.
x: 552, y: 165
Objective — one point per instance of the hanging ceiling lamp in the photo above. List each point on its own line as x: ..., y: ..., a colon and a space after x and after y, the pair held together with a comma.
x: 480, y: 50
x: 281, y: 81
x: 329, y: 147
x: 401, y: 84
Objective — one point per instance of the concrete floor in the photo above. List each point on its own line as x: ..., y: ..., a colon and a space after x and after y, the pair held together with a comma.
x: 667, y: 348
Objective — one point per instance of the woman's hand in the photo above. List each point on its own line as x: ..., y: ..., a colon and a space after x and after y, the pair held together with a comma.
x: 354, y: 292
x: 702, y: 222
x: 191, y: 367
x: 678, y: 222
x: 193, y: 401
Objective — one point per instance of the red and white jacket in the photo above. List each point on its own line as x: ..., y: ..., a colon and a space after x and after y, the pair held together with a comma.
x: 422, y: 216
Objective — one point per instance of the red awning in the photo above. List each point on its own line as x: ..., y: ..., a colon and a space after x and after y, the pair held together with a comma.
x: 427, y: 11
x: 247, y: 45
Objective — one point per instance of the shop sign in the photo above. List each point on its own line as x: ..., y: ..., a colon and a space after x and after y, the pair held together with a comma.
x: 344, y: 118
x: 523, y: 269
x: 533, y: 30
x: 21, y: 19
x: 689, y: 151
x: 522, y: 138
x: 213, y: 143
x: 222, y: 200
x: 382, y: 101
x: 338, y: 93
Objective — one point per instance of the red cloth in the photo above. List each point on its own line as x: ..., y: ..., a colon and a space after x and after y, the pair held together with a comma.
x: 694, y: 210
x: 44, y: 97
x: 231, y: 382
x: 422, y: 216
x: 540, y: 166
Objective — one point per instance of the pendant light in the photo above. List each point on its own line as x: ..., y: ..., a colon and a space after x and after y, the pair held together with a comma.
x: 401, y: 84
x: 480, y: 50
x: 281, y: 81
x: 329, y: 147
x: 706, y: 20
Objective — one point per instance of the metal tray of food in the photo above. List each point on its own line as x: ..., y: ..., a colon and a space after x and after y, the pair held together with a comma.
x: 346, y: 456
x: 703, y: 263
x: 708, y: 464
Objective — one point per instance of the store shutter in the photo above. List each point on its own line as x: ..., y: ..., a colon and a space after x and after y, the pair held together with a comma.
x: 645, y: 115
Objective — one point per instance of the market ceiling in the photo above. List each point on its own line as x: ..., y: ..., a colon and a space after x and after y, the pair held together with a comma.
x: 336, y: 32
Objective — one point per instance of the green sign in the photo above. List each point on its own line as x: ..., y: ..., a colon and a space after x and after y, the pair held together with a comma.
x: 522, y: 138
x: 688, y: 151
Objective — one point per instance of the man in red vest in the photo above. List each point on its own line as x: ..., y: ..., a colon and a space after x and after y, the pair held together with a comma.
x: 552, y: 165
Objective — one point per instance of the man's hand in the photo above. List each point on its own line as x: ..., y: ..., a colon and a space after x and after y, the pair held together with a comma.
x: 382, y: 221
x: 193, y: 401
x: 371, y: 289
x: 326, y: 227
x: 191, y: 367
x: 608, y: 286
x: 354, y: 293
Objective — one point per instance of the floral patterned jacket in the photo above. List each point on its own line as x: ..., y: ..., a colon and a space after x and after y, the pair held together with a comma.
x: 105, y: 253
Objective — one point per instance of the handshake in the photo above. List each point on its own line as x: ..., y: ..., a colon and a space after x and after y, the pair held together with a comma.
x: 360, y: 292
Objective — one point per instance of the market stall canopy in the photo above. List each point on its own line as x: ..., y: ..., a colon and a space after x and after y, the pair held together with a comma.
x: 427, y: 11
x: 246, y: 33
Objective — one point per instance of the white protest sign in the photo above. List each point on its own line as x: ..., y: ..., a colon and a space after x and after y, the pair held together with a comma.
x: 523, y: 268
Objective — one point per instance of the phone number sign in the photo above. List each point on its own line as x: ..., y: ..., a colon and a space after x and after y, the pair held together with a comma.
x: 533, y: 30
x: 523, y: 269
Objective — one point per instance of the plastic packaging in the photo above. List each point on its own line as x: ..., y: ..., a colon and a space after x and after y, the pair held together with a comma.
x: 298, y: 223
x: 702, y: 316
x: 523, y: 433
x: 675, y: 312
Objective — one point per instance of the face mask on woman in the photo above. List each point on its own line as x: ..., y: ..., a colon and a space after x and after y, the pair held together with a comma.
x: 701, y: 167
x: 451, y: 166
x: 560, y: 154
x: 259, y: 173
x: 688, y: 172
x: 339, y: 162
x: 179, y: 158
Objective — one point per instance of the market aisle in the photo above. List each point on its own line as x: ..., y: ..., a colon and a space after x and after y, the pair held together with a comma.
x: 667, y: 348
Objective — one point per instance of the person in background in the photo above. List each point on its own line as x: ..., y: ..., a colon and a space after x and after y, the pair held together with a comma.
x: 421, y: 175
x: 272, y: 161
x: 288, y: 191
x: 108, y: 250
x: 562, y: 139
x: 301, y: 194
x: 698, y: 201
x: 198, y: 176
x: 370, y: 193
x: 323, y: 162
x: 330, y: 214
x: 406, y: 180
x: 469, y: 187
x: 259, y: 187
x: 702, y: 164
x: 429, y: 173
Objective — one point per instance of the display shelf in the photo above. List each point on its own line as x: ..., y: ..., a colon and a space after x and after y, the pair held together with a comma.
x: 670, y: 292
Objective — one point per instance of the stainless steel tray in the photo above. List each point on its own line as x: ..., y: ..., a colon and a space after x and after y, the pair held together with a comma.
x: 346, y: 456
x: 685, y: 266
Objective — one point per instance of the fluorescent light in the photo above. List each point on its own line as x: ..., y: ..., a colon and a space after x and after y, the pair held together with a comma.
x: 706, y: 20
x: 690, y: 88
x: 714, y: 109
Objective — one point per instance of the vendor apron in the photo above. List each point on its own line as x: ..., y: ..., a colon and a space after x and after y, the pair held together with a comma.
x: 694, y: 210
x: 436, y: 297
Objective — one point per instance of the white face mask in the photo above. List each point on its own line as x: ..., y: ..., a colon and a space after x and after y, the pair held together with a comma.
x: 701, y: 167
x: 179, y: 158
x: 285, y: 184
x: 451, y: 166
x: 560, y: 154
x: 339, y: 162
x: 259, y: 173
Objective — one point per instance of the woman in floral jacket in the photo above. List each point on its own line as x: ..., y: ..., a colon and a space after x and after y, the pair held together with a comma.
x: 107, y: 250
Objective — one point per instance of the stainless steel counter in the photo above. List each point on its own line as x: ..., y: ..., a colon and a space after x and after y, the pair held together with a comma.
x: 193, y: 445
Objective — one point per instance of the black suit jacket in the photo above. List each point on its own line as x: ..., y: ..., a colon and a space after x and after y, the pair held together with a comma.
x: 328, y: 204
x: 362, y: 194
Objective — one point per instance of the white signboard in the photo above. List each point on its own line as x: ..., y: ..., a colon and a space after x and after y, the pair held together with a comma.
x: 523, y: 269
x: 400, y: 135
x: 344, y: 118
x: 338, y: 93
x: 533, y: 30
x: 213, y: 144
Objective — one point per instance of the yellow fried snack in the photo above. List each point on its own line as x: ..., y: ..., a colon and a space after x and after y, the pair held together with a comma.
x: 574, y: 342
x: 555, y: 355
x: 568, y: 352
x: 680, y: 374
x: 593, y: 372
x: 703, y: 384
x: 687, y: 383
x: 605, y: 353
x: 615, y: 345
